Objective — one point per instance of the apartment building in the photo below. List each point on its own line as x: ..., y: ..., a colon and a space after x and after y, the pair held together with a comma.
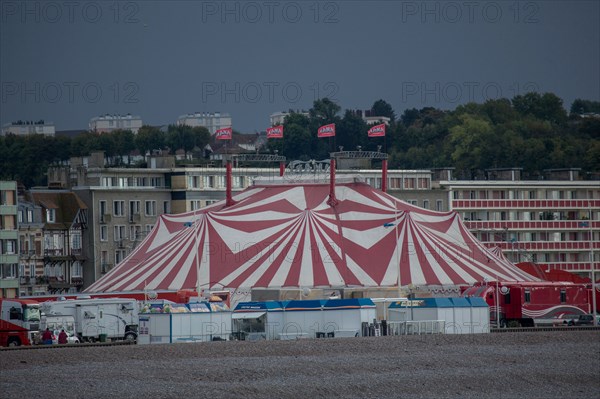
x: 213, y: 121
x: 123, y: 206
x: 108, y: 123
x: 23, y: 128
x: 555, y: 221
x: 9, y: 253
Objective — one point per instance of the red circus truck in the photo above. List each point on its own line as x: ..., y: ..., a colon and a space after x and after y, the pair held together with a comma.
x: 19, y: 321
x: 527, y: 304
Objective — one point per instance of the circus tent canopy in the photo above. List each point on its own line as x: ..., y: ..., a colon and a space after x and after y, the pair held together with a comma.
x: 286, y: 235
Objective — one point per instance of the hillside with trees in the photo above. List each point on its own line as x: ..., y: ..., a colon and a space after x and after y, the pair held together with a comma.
x: 532, y: 131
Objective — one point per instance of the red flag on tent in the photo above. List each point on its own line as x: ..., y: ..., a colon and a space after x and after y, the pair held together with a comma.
x: 224, y: 134
x: 275, y: 132
x: 326, y: 130
x: 377, y: 131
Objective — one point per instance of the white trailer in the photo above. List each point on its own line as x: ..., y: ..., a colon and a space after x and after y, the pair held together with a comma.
x: 98, y: 319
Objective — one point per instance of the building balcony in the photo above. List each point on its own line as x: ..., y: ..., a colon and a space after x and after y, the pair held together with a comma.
x: 563, y: 225
x: 542, y: 246
x: 515, y: 204
x: 26, y: 280
x: 55, y: 252
x: 28, y: 254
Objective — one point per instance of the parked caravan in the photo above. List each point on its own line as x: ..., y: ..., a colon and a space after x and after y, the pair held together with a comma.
x: 98, y: 319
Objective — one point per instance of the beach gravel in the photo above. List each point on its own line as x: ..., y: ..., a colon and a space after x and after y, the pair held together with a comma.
x: 499, y: 365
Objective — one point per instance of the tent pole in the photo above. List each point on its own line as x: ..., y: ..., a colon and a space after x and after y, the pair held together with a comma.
x: 384, y: 175
x: 594, y: 308
x: 397, y: 244
x: 332, y: 201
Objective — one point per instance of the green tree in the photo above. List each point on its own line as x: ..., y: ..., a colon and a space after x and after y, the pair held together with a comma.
x: 382, y: 108
x: 83, y: 144
x: 470, y: 140
x: 324, y: 111
x: 200, y: 136
x: 149, y: 138
x: 124, y: 143
x: 352, y: 132
x: 410, y: 116
x: 499, y: 111
x: 108, y: 145
x: 545, y: 107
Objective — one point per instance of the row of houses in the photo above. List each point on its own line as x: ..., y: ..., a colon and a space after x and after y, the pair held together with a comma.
x: 62, y: 239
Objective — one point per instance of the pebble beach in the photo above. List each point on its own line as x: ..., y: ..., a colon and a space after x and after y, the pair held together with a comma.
x: 508, y: 365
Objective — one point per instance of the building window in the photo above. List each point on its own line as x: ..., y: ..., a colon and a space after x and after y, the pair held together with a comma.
x: 195, y: 204
x: 409, y: 183
x: 104, y: 233
x: 134, y: 209
x: 194, y: 181
x: 51, y: 215
x: 119, y: 232
x: 439, y: 205
x: 423, y: 183
x: 150, y: 208
x: 119, y: 256
x: 76, y: 240
x: 8, y: 271
x: 238, y: 182
x: 166, y: 207
x: 104, y: 261
x: 76, y: 270
x: 527, y: 296
x: 20, y: 216
x: 119, y: 208
x: 149, y: 228
x: 29, y: 216
x: 209, y: 181
x: 135, y: 232
x: 426, y: 204
x: 9, y: 247
x: 563, y: 296
x: 102, y: 206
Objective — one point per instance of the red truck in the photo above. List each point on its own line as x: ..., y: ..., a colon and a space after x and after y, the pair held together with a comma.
x: 527, y: 304
x: 19, y: 321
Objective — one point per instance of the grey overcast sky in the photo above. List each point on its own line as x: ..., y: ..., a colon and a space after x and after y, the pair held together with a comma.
x: 67, y: 61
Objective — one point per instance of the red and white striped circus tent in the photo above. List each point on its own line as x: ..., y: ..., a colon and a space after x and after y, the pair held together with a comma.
x: 288, y: 235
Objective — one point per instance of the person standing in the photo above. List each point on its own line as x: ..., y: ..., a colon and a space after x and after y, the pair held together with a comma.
x: 47, y: 337
x: 62, y: 337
